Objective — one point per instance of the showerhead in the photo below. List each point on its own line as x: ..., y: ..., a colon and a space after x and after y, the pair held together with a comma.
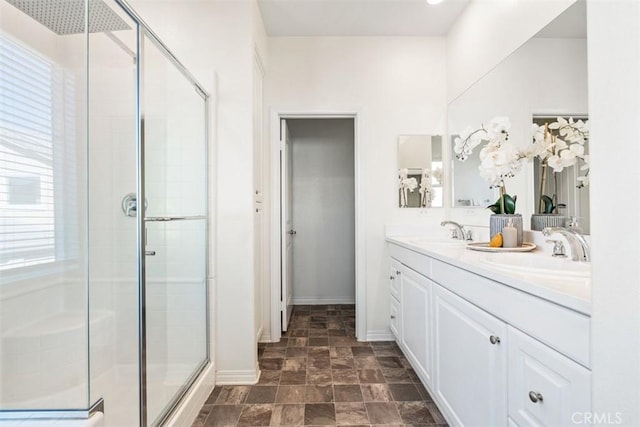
x: 67, y: 16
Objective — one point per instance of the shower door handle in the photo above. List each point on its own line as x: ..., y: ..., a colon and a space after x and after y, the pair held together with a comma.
x: 150, y: 253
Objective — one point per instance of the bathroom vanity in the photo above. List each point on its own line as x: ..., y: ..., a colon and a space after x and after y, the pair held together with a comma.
x: 497, y: 342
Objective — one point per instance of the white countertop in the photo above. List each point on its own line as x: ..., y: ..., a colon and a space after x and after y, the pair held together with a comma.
x: 573, y: 292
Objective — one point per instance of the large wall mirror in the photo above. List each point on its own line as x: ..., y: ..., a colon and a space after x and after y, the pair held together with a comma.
x: 420, y: 168
x: 544, y: 79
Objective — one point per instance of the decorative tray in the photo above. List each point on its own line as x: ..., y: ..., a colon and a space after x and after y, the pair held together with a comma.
x: 484, y: 247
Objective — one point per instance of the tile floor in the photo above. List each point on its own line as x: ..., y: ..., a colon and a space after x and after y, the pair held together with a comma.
x: 318, y: 374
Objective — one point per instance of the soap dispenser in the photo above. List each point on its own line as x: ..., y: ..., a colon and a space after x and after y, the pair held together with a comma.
x: 509, y: 235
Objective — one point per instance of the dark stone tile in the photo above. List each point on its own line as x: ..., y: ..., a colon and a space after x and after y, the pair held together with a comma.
x: 317, y: 325
x: 318, y: 333
x: 370, y: 376
x: 224, y: 415
x: 282, y: 343
x: 293, y: 377
x: 415, y: 413
x: 340, y: 341
x: 368, y: 362
x: 271, y: 364
x: 382, y: 344
x: 318, y: 363
x: 318, y: 394
x: 317, y: 318
x: 299, y: 333
x: 262, y: 394
x: 290, y: 394
x: 383, y: 413
x: 436, y: 414
x: 396, y: 375
x: 335, y: 325
x: 337, y: 333
x: 390, y: 362
x: 319, y: 377
x: 351, y: 413
x: 319, y: 414
x: 347, y: 393
x: 202, y: 416
x: 297, y: 342
x: 361, y: 351
x: 214, y: 395
x: 336, y: 352
x: 376, y: 392
x: 318, y: 342
x: 385, y: 351
x: 423, y: 392
x: 269, y: 377
x: 342, y: 363
x: 294, y: 364
x: 274, y: 353
x: 256, y: 415
x: 288, y: 415
x: 232, y: 395
x: 413, y: 376
x: 319, y: 352
x: 404, y: 392
x: 296, y: 352
x: 344, y: 376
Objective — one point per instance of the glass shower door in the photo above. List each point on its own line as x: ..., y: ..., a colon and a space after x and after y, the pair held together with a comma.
x: 175, y: 231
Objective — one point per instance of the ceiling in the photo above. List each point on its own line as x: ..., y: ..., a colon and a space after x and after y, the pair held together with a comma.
x: 359, y: 17
x: 572, y: 23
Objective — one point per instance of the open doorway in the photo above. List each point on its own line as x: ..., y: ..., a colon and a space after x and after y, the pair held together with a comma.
x: 317, y: 210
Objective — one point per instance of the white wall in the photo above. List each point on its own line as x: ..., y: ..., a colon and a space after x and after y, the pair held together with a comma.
x: 488, y: 31
x: 323, y: 203
x: 614, y: 99
x: 398, y: 84
x: 544, y: 76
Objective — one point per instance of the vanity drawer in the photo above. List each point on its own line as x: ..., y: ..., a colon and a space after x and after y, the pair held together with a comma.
x: 545, y: 387
x: 394, y: 278
x: 561, y: 328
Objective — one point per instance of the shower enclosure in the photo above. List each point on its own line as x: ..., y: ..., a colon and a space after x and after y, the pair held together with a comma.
x: 103, y: 216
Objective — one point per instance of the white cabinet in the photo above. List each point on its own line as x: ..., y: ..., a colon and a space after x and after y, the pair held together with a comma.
x: 394, y: 278
x: 470, y: 362
x: 545, y: 387
x: 395, y: 321
x: 415, y: 302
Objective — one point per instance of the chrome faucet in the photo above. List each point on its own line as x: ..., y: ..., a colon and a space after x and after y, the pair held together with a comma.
x: 459, y: 232
x: 580, y: 250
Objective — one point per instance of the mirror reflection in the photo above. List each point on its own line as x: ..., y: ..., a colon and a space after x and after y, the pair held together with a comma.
x: 420, y: 166
x: 546, y: 78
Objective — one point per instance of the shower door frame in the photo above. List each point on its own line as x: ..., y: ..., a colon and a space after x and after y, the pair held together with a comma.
x: 142, y: 31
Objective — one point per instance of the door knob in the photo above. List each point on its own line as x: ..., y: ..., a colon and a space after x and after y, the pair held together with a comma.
x: 292, y: 232
x: 494, y: 340
x: 535, y: 397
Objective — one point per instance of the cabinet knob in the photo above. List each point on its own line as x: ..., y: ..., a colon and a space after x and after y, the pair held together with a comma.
x: 398, y: 272
x: 393, y: 317
x: 535, y: 397
x: 494, y: 340
x: 392, y: 277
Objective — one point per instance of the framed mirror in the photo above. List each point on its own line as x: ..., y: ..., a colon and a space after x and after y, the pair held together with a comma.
x: 544, y: 78
x: 420, y: 171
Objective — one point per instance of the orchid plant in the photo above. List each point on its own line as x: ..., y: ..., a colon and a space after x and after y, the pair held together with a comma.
x: 426, y: 190
x: 499, y: 159
x: 559, y: 145
x: 406, y: 184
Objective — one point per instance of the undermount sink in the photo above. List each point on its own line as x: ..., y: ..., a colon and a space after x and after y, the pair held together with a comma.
x: 539, y: 264
x: 437, y: 241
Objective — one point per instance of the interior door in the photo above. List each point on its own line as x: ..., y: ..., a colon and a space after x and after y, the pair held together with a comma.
x: 286, y: 227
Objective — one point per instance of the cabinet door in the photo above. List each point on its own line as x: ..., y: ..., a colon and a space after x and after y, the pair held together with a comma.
x: 545, y: 387
x: 394, y: 279
x: 395, y: 321
x: 415, y: 300
x: 470, y: 372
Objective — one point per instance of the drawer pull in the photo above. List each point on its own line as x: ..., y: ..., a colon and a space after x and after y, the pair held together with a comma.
x: 398, y: 272
x: 393, y: 317
x: 494, y: 340
x: 535, y: 397
x: 391, y: 277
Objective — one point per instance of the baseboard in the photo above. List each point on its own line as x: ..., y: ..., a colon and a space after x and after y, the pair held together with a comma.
x: 259, y: 334
x: 266, y: 337
x: 190, y: 407
x: 238, y: 377
x: 380, y: 335
x: 322, y: 301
